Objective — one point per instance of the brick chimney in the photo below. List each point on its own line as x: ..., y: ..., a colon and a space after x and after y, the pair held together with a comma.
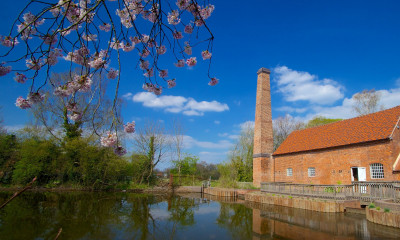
x: 263, y: 167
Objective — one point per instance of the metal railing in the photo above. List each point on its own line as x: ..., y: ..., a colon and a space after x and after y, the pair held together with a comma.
x: 365, y: 191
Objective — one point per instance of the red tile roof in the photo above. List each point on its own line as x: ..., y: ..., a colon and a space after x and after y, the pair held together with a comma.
x: 371, y: 127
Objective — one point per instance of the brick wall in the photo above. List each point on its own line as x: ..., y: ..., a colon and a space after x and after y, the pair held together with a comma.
x: 263, y: 137
x: 333, y: 165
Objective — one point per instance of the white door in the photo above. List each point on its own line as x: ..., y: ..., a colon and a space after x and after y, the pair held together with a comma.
x: 362, y: 177
x: 362, y: 174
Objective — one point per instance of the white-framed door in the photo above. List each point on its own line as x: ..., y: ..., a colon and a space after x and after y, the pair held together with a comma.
x: 359, y: 174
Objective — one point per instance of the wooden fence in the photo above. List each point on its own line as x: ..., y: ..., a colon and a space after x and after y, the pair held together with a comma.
x: 364, y: 191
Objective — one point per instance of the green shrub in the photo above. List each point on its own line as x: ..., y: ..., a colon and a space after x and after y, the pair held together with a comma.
x: 371, y: 205
x: 378, y: 208
x: 386, y: 210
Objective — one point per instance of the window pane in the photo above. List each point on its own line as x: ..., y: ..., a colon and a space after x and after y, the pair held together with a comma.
x: 377, y: 171
x: 311, y: 172
x: 289, y: 172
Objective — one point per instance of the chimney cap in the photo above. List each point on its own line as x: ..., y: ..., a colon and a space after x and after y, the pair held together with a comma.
x: 263, y: 70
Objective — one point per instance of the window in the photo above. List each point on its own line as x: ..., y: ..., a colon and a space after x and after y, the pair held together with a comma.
x: 376, y: 170
x: 311, y: 172
x: 289, y: 172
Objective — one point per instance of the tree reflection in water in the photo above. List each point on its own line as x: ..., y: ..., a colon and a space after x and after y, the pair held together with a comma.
x: 38, y: 215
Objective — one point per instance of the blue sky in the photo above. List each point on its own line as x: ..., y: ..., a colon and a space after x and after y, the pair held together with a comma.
x: 320, y: 54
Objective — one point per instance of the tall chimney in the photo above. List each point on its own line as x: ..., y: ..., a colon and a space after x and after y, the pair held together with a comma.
x: 263, y: 167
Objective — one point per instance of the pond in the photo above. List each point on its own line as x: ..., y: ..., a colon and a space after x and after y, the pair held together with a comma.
x: 40, y: 215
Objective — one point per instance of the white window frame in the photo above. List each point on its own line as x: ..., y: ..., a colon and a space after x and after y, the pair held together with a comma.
x: 377, y: 171
x: 289, y: 172
x: 311, y: 171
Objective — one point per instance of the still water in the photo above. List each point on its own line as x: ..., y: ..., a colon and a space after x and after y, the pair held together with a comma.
x: 38, y: 215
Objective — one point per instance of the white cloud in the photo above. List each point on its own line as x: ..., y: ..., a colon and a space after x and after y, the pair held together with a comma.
x: 397, y: 82
x: 297, y: 86
x: 246, y: 125
x: 178, y: 104
x: 190, y: 142
x: 288, y: 109
x: 217, y: 122
x: 389, y: 98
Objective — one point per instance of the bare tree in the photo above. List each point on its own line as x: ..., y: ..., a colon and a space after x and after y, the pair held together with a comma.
x: 152, y: 142
x: 177, y: 142
x: 90, y: 110
x: 282, y: 127
x: 367, y: 102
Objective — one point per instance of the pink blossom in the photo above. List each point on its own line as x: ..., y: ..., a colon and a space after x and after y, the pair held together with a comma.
x: 163, y: 73
x: 75, y: 116
x: 82, y: 83
x: 109, y: 140
x: 149, y: 87
x: 214, y: 81
x: 171, y: 83
x: 191, y: 61
x: 135, y: 39
x: 180, y: 63
x: 128, y: 47
x: 55, y: 11
x: 149, y: 72
x: 130, y: 127
x: 8, y: 41
x: 116, y: 44
x: 35, y: 97
x: 145, y: 38
x: 50, y: 39
x: 157, y: 91
x: 112, y: 73
x: 177, y: 35
x: 53, y: 56
x: 144, y: 53
x: 20, y: 78
x: 188, y: 49
x: 161, y: 50
x: 98, y: 61
x: 33, y: 64
x: 173, y: 17
x: 72, y: 107
x: 26, y: 31
x: 120, y: 151
x: 90, y: 37
x: 206, y: 54
x: 199, y: 22
x: 106, y: 27
x: 22, y: 103
x: 206, y: 12
x: 144, y: 65
x: 188, y: 29
x: 4, y: 69
x: 182, y: 4
x: 63, y: 91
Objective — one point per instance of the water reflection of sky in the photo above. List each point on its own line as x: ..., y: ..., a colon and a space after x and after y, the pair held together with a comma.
x: 104, y: 216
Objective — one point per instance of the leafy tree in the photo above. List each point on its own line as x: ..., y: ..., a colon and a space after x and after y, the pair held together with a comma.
x: 320, y: 120
x: 241, y: 156
x: 205, y: 170
x: 9, y: 155
x: 186, y: 166
x: 366, y: 102
x: 38, y: 159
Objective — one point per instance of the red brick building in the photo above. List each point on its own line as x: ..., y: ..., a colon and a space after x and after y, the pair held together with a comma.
x: 365, y: 148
